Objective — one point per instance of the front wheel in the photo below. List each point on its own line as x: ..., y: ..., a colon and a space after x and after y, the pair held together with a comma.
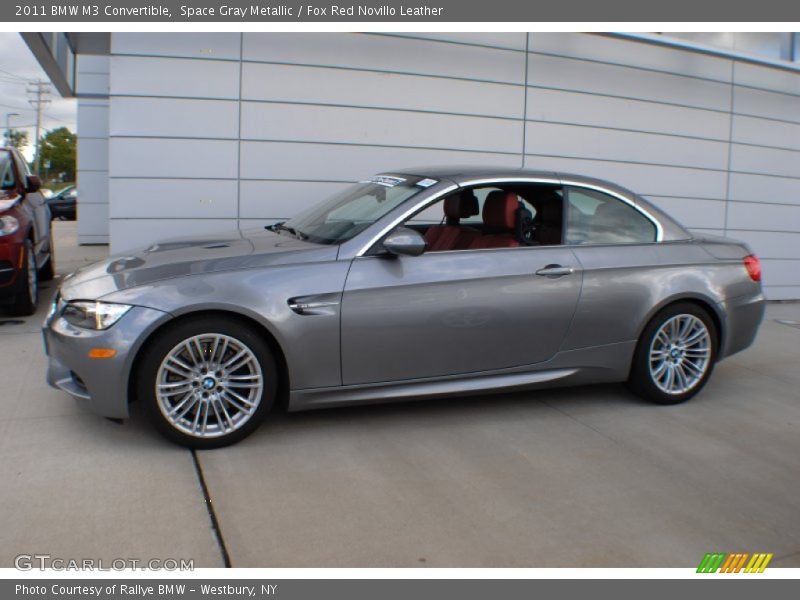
x: 207, y: 382
x: 675, y: 355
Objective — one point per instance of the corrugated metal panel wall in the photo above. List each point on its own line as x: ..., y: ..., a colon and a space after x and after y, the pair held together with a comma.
x: 208, y: 131
x: 92, y: 175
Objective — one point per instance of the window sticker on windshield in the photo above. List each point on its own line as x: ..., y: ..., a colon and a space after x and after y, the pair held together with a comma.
x: 385, y: 180
x: 426, y: 183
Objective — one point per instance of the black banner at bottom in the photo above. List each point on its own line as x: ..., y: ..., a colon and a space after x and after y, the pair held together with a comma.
x: 729, y: 587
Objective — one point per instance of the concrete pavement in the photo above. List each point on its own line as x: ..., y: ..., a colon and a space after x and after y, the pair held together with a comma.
x: 573, y: 477
x: 79, y: 486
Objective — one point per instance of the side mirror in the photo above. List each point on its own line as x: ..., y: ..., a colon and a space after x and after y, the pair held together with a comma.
x: 32, y: 184
x: 404, y: 242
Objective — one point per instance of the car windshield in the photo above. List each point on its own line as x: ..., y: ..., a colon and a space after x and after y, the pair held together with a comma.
x: 350, y: 212
x: 7, y: 179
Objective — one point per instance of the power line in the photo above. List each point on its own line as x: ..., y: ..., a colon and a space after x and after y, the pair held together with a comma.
x: 52, y: 118
x: 15, y: 76
x: 16, y: 107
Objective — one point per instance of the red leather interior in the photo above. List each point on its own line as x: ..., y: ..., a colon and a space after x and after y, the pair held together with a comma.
x: 451, y: 236
x: 499, y: 214
x: 499, y: 210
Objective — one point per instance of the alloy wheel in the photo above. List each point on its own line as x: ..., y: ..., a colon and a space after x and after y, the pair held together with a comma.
x: 680, y: 354
x: 209, y: 385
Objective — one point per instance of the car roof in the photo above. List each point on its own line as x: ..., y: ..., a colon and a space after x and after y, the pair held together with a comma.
x: 461, y: 174
x: 464, y: 174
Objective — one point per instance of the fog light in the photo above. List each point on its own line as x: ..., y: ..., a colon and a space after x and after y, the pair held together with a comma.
x: 102, y: 353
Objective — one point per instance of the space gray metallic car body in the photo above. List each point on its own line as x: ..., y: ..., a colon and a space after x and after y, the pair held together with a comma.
x: 352, y: 323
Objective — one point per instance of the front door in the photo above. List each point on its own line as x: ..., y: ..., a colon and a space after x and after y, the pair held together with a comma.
x: 459, y: 312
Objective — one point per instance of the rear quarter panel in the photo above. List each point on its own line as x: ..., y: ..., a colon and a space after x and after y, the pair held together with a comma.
x: 625, y: 286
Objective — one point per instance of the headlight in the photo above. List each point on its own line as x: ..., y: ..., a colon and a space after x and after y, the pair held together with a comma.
x: 8, y: 225
x: 94, y: 315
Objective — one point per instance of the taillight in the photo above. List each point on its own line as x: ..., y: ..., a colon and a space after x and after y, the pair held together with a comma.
x: 753, y: 266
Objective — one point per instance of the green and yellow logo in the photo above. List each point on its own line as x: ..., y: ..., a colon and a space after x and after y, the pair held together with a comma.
x: 738, y: 562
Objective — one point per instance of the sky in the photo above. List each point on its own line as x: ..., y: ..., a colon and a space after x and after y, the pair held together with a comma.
x: 17, y: 64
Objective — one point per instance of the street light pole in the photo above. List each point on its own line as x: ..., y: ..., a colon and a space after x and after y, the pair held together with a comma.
x: 8, y: 127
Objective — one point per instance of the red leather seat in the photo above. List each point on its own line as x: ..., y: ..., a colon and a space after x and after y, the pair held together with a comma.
x: 499, y: 219
x: 451, y: 236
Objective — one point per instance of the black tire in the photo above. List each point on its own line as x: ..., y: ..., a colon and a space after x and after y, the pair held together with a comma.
x: 642, y: 381
x: 25, y: 299
x: 48, y: 270
x: 157, y: 350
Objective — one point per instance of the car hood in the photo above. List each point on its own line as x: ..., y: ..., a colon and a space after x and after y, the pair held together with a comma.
x: 181, y: 257
x: 8, y: 200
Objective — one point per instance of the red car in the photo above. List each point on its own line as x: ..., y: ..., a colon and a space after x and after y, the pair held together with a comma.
x: 26, y: 242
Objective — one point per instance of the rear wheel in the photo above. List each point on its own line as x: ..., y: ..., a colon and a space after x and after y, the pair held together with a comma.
x: 675, y: 355
x: 28, y: 288
x: 207, y: 382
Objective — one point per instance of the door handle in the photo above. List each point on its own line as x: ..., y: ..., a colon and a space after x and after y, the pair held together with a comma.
x: 555, y: 271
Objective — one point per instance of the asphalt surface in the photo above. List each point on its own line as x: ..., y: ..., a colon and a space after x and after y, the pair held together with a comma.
x: 586, y: 477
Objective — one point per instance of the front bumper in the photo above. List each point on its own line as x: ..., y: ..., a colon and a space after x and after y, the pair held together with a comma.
x: 99, y: 383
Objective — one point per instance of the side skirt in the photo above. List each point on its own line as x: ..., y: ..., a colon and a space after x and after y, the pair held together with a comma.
x: 601, y: 364
x: 396, y: 392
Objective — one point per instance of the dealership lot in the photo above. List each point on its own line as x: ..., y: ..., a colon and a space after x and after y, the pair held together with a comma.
x: 572, y: 477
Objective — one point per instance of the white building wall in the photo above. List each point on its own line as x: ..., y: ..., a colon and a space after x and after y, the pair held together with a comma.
x: 92, y: 172
x: 213, y: 131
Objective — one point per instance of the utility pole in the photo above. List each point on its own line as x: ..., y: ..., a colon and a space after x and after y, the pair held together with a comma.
x: 38, y: 91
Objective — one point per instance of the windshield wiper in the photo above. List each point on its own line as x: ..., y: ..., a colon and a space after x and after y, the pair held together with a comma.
x: 277, y: 227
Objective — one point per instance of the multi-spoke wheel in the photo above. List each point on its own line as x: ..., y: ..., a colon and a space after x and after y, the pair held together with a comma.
x: 679, y: 354
x: 675, y: 355
x: 208, y: 382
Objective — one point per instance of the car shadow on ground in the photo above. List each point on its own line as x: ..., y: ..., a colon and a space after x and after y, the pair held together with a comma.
x: 281, y: 421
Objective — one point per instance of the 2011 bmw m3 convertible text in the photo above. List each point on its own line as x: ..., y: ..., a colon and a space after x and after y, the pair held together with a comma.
x: 415, y: 283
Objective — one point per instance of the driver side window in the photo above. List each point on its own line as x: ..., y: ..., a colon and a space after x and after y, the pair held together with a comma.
x: 492, y: 216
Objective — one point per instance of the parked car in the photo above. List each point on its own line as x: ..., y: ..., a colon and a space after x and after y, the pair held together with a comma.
x: 62, y: 204
x: 26, y: 243
x: 414, y: 283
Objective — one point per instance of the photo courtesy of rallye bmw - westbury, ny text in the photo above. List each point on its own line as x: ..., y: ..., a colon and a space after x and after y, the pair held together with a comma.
x: 71, y: 591
x: 225, y: 11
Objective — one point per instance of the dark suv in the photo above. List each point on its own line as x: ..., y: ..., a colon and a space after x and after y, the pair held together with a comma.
x: 26, y: 242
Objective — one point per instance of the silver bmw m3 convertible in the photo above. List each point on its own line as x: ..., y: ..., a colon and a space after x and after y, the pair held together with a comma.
x: 415, y: 283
